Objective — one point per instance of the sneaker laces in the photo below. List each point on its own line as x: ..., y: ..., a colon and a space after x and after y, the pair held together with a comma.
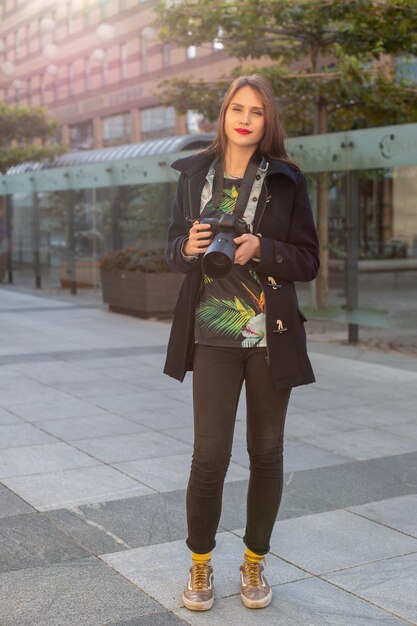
x: 253, y: 573
x: 200, y: 572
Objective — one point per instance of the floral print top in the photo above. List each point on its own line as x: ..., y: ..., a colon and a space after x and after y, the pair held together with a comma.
x: 230, y: 311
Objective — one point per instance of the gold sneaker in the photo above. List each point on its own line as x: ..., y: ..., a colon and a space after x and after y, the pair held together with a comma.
x: 198, y: 594
x: 255, y: 591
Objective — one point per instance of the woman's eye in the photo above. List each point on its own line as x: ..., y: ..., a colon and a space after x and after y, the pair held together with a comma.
x: 255, y: 112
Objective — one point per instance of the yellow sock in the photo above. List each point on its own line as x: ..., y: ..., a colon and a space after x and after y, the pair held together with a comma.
x: 200, y: 558
x: 252, y: 557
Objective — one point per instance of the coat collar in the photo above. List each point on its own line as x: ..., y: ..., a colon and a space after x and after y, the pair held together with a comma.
x: 195, y: 163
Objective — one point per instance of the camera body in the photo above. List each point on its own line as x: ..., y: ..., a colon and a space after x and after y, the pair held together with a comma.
x: 219, y: 257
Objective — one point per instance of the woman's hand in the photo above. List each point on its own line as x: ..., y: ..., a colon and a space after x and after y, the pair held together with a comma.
x: 199, y: 239
x: 249, y: 246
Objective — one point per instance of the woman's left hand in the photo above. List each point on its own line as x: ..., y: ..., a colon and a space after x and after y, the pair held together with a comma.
x: 248, y: 247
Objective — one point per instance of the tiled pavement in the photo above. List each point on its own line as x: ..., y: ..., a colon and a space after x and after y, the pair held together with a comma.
x: 95, y: 447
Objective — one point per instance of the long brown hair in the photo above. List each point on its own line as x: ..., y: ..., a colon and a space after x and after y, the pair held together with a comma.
x: 271, y: 145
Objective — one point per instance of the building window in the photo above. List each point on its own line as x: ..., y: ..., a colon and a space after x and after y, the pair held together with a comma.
x: 218, y: 42
x: 143, y: 55
x: 104, y: 9
x: 123, y: 61
x: 70, y: 23
x: 71, y: 79
x: 117, y: 129
x: 166, y: 49
x: 87, y: 66
x: 157, y: 122
x: 105, y: 72
x: 406, y: 67
x: 82, y: 135
x: 191, y: 52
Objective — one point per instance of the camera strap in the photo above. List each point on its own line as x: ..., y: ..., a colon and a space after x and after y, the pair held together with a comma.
x: 245, y: 186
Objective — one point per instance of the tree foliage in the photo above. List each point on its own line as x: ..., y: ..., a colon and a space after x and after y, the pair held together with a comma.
x: 332, y: 64
x: 24, y: 125
x: 322, y: 51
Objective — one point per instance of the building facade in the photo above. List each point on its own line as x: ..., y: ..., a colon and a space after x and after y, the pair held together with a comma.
x: 95, y: 65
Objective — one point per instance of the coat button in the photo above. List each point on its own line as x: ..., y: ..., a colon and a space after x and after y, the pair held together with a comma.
x: 257, y: 176
x: 254, y: 199
x: 279, y: 258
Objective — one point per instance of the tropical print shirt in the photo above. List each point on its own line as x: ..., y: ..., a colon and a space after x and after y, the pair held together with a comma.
x: 230, y: 311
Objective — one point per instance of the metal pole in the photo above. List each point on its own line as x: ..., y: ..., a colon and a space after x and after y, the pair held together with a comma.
x: 71, y: 243
x: 94, y: 227
x: 36, y: 241
x: 352, y: 244
x: 9, y: 235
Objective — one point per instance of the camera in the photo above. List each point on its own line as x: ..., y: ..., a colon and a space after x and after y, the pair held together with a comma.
x: 219, y: 257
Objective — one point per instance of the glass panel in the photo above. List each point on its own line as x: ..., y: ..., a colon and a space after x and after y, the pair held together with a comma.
x: 387, y: 254
x: 71, y: 232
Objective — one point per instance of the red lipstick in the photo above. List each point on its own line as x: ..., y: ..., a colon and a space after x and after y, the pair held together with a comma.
x: 243, y: 131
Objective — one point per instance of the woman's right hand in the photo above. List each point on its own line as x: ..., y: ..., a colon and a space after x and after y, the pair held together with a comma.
x: 199, y: 238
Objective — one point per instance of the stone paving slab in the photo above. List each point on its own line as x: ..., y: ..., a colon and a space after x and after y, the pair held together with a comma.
x: 162, y: 420
x: 32, y: 541
x: 308, y: 602
x: 21, y: 434
x: 131, y: 402
x: 391, y: 584
x: 124, y: 524
x: 145, y: 565
x: 153, y: 619
x: 132, y: 447
x: 170, y: 473
x: 57, y: 489
x: 11, y: 504
x: 48, y: 457
x: 364, y: 443
x: 398, y: 513
x: 292, y: 504
x: 103, y: 387
x: 355, y: 482
x: 334, y: 540
x: 357, y: 371
x: 57, y: 372
x: 88, y: 427
x: 312, y: 424
x: 54, y: 408
x: 83, y: 592
x: 407, y: 430
x: 298, y: 455
x: 375, y: 415
x: 7, y: 418
x: 92, y: 378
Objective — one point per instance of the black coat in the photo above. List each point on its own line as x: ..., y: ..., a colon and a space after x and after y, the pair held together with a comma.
x: 289, y: 252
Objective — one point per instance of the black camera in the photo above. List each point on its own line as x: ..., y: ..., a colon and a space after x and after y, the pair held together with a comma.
x: 219, y: 257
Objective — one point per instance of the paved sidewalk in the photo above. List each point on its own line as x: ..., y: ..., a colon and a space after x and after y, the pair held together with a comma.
x: 95, y: 449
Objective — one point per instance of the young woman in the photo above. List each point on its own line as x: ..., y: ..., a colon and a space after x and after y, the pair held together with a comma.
x: 237, y: 319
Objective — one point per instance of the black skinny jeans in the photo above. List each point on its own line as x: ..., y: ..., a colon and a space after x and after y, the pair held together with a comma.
x: 218, y: 375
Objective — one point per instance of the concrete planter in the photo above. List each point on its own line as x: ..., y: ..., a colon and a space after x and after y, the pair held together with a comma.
x: 141, y: 294
x: 87, y: 273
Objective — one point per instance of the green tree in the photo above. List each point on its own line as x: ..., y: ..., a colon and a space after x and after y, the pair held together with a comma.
x: 332, y: 66
x: 25, y: 125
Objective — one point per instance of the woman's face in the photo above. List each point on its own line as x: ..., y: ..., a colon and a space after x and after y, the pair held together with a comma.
x: 244, y: 122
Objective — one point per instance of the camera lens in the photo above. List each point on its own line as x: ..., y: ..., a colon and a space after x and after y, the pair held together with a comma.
x: 219, y: 259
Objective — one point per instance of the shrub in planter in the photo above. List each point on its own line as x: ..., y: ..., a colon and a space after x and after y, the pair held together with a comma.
x: 138, y: 282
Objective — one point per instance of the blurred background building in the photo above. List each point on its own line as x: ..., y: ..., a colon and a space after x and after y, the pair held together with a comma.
x: 95, y: 65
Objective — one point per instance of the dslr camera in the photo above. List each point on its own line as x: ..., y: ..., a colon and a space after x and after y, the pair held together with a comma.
x: 219, y: 257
